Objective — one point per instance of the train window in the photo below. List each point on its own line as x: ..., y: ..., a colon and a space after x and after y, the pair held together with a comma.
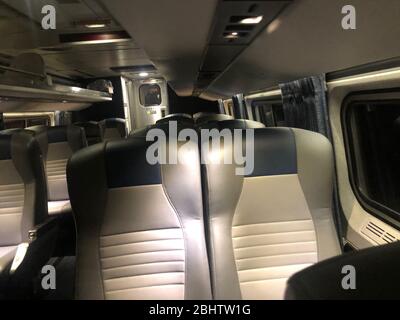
x: 268, y: 112
x: 372, y: 134
x: 37, y: 121
x: 21, y: 121
x: 14, y: 123
x: 150, y: 95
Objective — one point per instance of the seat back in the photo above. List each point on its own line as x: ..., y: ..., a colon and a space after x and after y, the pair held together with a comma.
x: 269, y: 224
x: 373, y: 272
x: 113, y: 128
x: 140, y: 230
x: 92, y: 130
x: 57, y: 145
x: 23, y: 194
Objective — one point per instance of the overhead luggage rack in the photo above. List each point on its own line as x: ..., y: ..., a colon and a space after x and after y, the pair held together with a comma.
x: 25, y: 86
x: 57, y: 93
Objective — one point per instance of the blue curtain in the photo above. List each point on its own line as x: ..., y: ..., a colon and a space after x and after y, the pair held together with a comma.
x: 304, y: 104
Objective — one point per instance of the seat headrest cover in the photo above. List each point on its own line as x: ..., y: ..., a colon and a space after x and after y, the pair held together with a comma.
x: 92, y: 128
x: 278, y: 145
x: 126, y: 164
x: 117, y: 123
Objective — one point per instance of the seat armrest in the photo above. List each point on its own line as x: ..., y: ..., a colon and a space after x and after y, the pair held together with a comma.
x: 6, y: 260
x: 42, y: 229
x: 39, y: 247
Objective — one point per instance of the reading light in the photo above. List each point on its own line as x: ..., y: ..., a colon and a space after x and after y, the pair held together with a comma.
x: 273, y: 26
x: 95, y: 25
x: 143, y: 74
x: 232, y: 35
x: 251, y: 20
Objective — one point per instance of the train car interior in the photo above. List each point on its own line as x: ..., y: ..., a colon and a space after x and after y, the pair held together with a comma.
x: 111, y: 190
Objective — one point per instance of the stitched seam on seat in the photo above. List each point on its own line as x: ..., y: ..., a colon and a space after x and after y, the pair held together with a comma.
x: 151, y: 286
x: 142, y: 264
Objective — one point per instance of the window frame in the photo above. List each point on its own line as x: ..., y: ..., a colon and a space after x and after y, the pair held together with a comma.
x: 26, y: 117
x: 379, y: 210
x: 143, y: 102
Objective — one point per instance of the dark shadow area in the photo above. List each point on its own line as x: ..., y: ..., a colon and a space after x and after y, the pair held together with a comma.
x: 190, y: 105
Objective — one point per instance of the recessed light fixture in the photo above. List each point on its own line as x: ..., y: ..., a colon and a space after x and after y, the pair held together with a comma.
x: 143, y: 74
x: 231, y: 35
x: 273, y: 26
x: 95, y: 25
x: 251, y: 20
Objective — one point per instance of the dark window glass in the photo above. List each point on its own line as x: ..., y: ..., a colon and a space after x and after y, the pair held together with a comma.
x: 38, y: 121
x: 150, y: 95
x: 373, y: 136
x: 14, y: 123
x: 269, y: 113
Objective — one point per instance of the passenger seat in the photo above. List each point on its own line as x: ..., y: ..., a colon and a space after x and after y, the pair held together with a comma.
x: 93, y: 131
x: 24, y: 220
x: 57, y: 145
x: 140, y: 229
x: 369, y: 274
x: 267, y: 225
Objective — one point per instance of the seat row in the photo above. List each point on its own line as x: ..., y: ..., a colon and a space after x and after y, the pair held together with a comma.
x: 194, y: 230
x: 35, y: 214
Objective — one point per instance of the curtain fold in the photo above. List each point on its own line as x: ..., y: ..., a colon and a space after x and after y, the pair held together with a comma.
x: 304, y: 104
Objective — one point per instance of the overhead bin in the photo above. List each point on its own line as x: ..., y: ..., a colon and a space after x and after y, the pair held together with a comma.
x: 25, y: 86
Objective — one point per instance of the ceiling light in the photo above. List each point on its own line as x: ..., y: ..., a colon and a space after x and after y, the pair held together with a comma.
x: 143, y: 74
x: 251, y: 20
x: 95, y: 25
x: 231, y: 35
x: 76, y: 89
x: 273, y: 26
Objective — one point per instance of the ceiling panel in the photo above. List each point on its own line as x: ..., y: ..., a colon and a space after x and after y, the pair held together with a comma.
x: 21, y: 32
x: 173, y: 33
x: 308, y: 39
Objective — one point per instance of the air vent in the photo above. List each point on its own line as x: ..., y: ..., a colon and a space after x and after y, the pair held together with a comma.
x: 378, y: 233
